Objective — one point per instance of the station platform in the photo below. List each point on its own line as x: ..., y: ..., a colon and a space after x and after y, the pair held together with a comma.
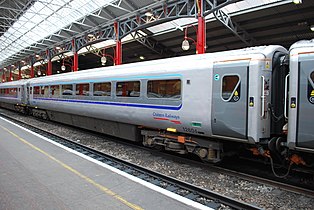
x: 38, y: 174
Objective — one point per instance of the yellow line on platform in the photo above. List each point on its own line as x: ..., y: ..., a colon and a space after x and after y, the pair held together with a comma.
x: 89, y: 180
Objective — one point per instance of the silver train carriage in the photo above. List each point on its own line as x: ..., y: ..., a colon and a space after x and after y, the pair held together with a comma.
x: 198, y: 104
x: 12, y: 95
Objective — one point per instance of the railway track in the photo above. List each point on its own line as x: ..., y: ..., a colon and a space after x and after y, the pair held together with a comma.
x: 205, y: 197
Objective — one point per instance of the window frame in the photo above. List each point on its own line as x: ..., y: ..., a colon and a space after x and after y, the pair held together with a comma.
x: 234, y: 89
x: 111, y: 88
x: 164, y: 98
x: 128, y: 95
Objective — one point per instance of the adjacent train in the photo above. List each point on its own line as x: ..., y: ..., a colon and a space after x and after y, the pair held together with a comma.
x: 258, y: 99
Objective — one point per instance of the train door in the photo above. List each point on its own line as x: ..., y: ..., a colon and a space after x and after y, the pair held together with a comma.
x: 305, y: 134
x: 229, y: 105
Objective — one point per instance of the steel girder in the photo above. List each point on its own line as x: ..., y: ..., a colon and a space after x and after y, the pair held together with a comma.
x: 162, y: 11
x: 235, y: 28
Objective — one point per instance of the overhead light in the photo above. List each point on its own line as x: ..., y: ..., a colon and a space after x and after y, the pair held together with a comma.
x: 185, y: 45
x: 312, y: 27
x: 44, y: 74
x: 297, y: 1
x: 58, y: 72
x: 148, y: 13
x: 12, y: 65
x: 58, y: 48
x: 63, y: 67
x: 39, y: 73
x: 37, y: 56
x: 142, y: 57
x: 90, y: 35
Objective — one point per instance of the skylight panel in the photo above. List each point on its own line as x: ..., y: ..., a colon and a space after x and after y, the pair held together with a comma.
x: 44, y: 18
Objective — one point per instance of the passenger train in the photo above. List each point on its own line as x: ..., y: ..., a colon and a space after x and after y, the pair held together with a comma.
x: 258, y: 99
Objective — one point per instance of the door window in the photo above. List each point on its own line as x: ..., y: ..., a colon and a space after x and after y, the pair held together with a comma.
x: 230, y: 90
x: 311, y: 88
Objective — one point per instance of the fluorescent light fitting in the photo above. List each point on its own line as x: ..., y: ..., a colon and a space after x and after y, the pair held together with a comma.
x: 312, y: 27
x: 297, y: 1
x: 142, y: 57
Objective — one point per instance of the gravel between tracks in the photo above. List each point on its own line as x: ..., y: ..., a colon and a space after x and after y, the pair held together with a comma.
x: 264, y: 196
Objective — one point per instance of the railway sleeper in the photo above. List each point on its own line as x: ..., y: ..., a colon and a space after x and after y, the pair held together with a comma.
x: 206, y: 150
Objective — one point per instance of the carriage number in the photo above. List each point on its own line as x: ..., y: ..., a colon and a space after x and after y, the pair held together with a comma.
x: 189, y: 130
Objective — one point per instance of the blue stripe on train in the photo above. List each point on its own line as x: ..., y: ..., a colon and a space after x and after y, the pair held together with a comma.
x: 147, y: 106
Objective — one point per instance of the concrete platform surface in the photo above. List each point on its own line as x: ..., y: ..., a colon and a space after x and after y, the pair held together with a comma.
x: 37, y: 174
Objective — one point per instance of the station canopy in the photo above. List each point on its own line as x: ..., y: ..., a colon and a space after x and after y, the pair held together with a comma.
x: 29, y: 26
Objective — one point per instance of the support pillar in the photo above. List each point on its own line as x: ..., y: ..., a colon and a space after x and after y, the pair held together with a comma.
x: 201, y: 30
x: 49, y: 67
x: 201, y: 36
x: 49, y: 64
x: 75, y: 56
x: 20, y: 71
x: 3, y: 75
x: 10, y: 78
x: 75, y: 62
x: 118, y: 55
x: 32, y: 70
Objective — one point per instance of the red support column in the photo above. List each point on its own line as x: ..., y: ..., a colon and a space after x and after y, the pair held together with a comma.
x: 10, y: 78
x: 201, y: 30
x: 75, y: 56
x: 20, y: 72
x: 118, y: 55
x: 49, y: 67
x: 32, y: 71
x: 3, y: 75
x: 75, y: 62
x: 49, y: 64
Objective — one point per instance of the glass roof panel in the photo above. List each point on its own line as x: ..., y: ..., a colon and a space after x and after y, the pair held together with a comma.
x: 42, y: 19
x: 229, y: 9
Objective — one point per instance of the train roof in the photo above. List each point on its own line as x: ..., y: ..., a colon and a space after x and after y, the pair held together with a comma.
x: 14, y: 83
x: 160, y: 66
x: 302, y: 44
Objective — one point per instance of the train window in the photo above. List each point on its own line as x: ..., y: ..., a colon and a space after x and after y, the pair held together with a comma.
x: 128, y: 89
x: 102, y: 89
x: 45, y: 91
x: 229, y: 83
x: 82, y: 89
x: 42, y: 90
x: 67, y: 89
x: 164, y: 88
x: 36, y: 90
x: 55, y: 90
x: 13, y: 92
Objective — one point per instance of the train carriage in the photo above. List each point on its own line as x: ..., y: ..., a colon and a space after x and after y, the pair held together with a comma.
x: 260, y: 99
x: 184, y: 104
x: 13, y: 95
x: 300, y: 101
